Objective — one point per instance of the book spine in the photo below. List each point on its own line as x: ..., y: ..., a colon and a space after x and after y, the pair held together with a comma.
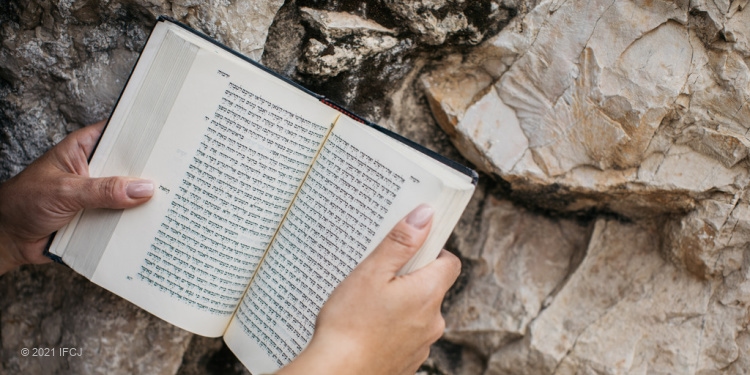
x: 54, y: 257
x: 345, y: 111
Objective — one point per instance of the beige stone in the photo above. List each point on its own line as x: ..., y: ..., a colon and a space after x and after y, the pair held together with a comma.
x: 514, y: 270
x: 336, y: 25
x: 627, y: 311
x: 605, y: 96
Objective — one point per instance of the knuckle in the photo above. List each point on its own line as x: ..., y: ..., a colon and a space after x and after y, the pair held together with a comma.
x: 58, y: 196
x: 402, y: 237
x: 455, y: 263
x: 439, y: 328
x: 64, y: 188
x: 108, y: 189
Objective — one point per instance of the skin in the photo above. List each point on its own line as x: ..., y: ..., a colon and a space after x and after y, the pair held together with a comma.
x: 51, y: 191
x: 375, y: 322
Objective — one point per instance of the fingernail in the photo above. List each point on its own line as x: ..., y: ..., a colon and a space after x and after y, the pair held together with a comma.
x: 420, y: 216
x: 140, y: 189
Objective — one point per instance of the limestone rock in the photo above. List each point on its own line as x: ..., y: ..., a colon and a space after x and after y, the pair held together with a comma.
x: 285, y: 40
x: 337, y: 25
x: 63, y: 64
x: 360, y: 69
x: 598, y: 98
x: 210, y: 355
x: 625, y: 310
x: 52, y: 307
x: 447, y: 358
x: 516, y: 266
x: 627, y: 107
x: 710, y: 240
x: 434, y: 21
x: 348, y: 40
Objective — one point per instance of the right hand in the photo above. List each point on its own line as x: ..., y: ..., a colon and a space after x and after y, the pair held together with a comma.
x: 376, y: 322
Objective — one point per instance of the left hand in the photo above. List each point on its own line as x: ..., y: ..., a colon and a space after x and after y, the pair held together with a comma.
x: 51, y: 191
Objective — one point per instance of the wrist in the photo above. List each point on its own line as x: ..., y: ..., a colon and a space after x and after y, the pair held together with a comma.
x: 331, y: 358
x: 10, y: 257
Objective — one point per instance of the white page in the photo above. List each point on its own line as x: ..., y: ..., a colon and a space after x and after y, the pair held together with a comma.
x: 121, y: 267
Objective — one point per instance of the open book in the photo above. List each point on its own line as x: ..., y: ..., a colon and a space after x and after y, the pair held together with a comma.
x: 267, y: 197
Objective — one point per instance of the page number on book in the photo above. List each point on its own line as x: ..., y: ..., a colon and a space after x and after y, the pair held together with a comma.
x: 223, y: 74
x: 414, y: 179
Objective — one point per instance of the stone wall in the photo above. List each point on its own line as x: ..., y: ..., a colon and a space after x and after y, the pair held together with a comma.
x: 609, y: 233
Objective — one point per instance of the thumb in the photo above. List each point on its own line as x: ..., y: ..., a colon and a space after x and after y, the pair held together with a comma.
x: 111, y: 192
x: 402, y: 242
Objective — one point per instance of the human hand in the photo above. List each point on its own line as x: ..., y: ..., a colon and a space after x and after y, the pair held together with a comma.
x: 51, y: 191
x: 376, y: 322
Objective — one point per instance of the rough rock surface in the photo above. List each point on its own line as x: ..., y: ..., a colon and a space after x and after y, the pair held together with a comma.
x: 64, y: 63
x: 468, y: 22
x: 635, y: 108
x: 608, y: 235
x: 348, y: 40
x: 626, y: 310
x: 607, y: 95
x: 513, y: 271
x: 50, y: 307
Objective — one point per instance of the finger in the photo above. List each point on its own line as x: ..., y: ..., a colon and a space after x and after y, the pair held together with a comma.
x: 402, y: 242
x: 110, y: 192
x: 72, y: 153
x: 84, y: 138
x: 89, y: 136
x: 441, y: 273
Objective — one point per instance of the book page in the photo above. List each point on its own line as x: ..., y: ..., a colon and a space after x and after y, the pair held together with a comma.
x: 227, y: 163
x: 356, y: 191
x: 128, y: 140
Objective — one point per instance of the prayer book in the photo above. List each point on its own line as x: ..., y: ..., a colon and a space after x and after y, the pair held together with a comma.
x: 267, y: 196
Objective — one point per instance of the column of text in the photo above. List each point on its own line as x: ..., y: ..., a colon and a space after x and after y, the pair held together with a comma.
x: 241, y: 180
